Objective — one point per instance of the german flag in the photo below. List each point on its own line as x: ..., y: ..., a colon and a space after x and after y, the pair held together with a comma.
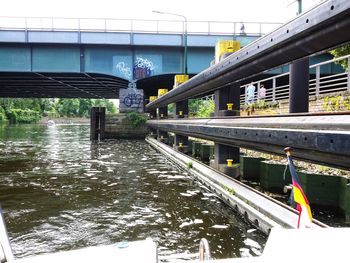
x: 298, y: 196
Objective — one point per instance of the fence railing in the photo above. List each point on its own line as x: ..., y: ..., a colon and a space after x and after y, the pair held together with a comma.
x: 277, y: 87
x: 135, y: 25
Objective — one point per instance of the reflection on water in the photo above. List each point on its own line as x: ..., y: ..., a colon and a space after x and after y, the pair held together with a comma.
x: 60, y: 192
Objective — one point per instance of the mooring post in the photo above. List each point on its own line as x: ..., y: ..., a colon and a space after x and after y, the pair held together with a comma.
x: 153, y: 114
x: 152, y: 132
x: 227, y: 103
x: 97, y: 123
x: 299, y: 86
x: 162, y: 136
x: 181, y: 109
x: 181, y: 141
x: 163, y: 112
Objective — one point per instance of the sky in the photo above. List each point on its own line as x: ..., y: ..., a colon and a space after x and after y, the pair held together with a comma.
x: 223, y: 10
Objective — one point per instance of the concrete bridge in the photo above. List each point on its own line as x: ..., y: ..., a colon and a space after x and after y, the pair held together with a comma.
x: 92, y: 58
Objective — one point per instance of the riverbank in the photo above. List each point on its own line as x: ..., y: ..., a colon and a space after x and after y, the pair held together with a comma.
x: 65, y: 120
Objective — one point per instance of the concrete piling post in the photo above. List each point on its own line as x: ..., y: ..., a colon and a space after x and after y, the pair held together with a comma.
x: 181, y: 143
x: 181, y: 109
x: 228, y: 95
x: 162, y: 136
x: 299, y: 86
x: 163, y: 112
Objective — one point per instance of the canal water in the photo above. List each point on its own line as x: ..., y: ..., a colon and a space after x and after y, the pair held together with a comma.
x: 59, y: 191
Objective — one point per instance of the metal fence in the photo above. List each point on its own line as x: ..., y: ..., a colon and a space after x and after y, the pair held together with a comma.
x: 135, y: 25
x: 276, y: 88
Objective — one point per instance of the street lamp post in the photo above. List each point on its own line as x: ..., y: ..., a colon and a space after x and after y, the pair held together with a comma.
x: 185, y: 70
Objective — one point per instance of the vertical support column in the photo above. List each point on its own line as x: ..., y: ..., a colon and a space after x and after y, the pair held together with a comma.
x: 227, y: 157
x: 349, y: 74
x: 163, y: 112
x: 181, y: 143
x: 162, y: 136
x: 318, y: 75
x: 97, y: 123
x: 181, y: 109
x: 273, y: 89
x: 153, y: 114
x: 226, y: 96
x: 152, y: 132
x: 299, y: 86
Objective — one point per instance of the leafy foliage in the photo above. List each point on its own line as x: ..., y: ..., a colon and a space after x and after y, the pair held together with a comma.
x: 23, y: 116
x: 201, y: 108
x: 336, y: 103
x: 342, y: 51
x: 136, y: 119
x: 31, y: 110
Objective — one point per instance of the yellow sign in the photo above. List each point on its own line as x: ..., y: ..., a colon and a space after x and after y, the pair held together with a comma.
x: 225, y: 46
x: 152, y: 98
x: 229, y: 106
x: 178, y: 79
x: 161, y: 92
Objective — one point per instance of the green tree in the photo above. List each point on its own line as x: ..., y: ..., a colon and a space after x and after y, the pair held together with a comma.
x: 201, y: 108
x: 68, y: 107
x: 342, y: 51
x: 110, y: 107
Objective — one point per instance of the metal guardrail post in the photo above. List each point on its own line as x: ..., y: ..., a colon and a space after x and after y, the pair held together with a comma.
x: 259, y: 28
x: 348, y: 74
x: 274, y: 89
x: 105, y: 24
x: 318, y: 74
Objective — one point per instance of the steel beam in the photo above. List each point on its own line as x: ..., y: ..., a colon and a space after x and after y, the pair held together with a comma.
x: 321, y: 28
x: 320, y: 139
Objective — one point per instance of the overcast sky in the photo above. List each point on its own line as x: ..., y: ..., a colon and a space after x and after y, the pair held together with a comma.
x: 219, y: 10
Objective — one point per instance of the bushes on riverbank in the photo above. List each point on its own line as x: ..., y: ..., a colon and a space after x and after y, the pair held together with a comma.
x: 22, y: 116
x: 32, y: 110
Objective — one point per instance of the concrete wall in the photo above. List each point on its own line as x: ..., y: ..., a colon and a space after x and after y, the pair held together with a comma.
x: 119, y: 126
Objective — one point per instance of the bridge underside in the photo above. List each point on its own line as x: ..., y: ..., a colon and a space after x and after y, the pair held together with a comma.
x: 60, y: 85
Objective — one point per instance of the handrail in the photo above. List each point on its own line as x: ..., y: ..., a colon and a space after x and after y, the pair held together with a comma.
x: 317, y: 84
x: 50, y: 23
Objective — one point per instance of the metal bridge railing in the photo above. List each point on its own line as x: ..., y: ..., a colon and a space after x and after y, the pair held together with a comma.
x: 135, y: 25
x: 276, y: 89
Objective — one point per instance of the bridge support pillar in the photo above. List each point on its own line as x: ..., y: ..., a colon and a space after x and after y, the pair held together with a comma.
x: 299, y: 86
x: 227, y: 157
x: 97, y: 123
x: 163, y: 112
x: 181, y: 109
